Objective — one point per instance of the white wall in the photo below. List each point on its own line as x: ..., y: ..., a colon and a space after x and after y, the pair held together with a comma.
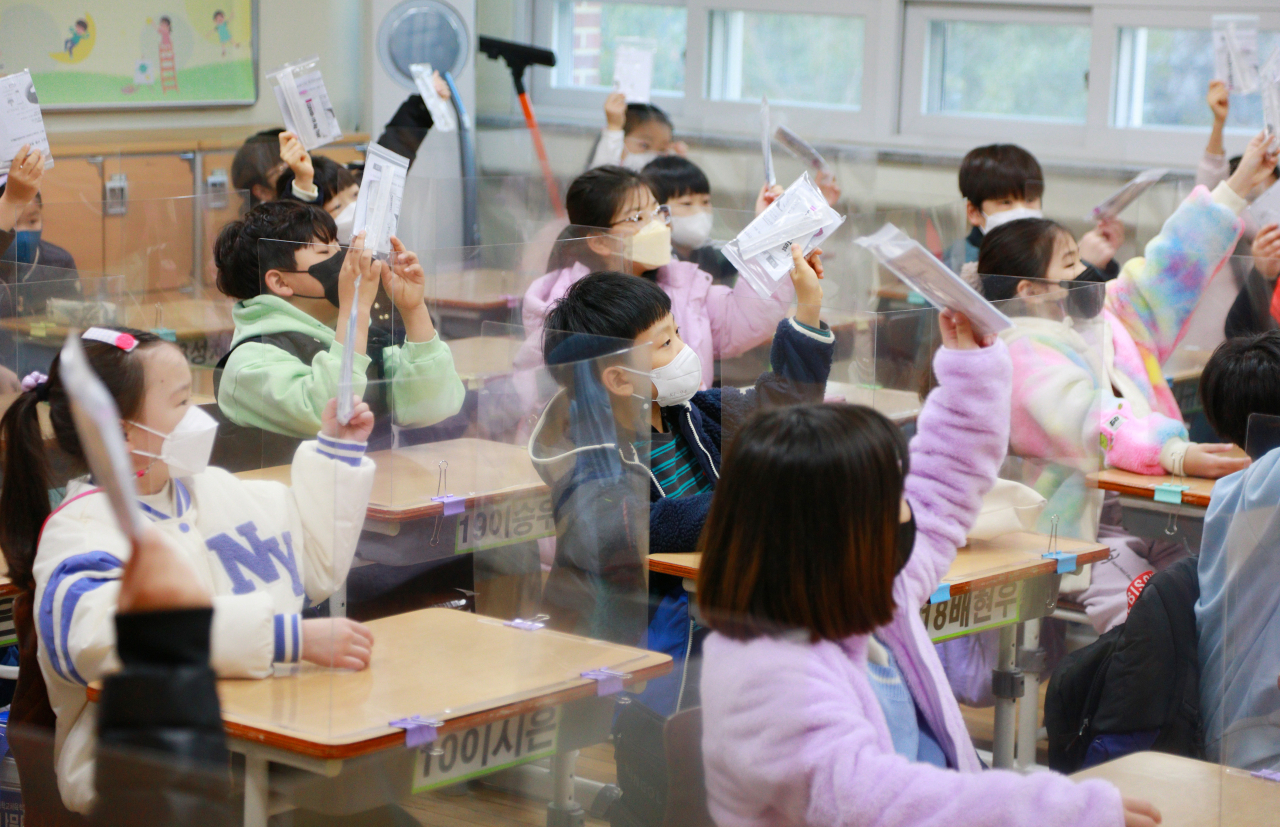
x: 336, y: 30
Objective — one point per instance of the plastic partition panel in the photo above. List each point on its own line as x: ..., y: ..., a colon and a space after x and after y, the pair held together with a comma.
x: 40, y: 304
x: 514, y: 283
x: 1240, y: 681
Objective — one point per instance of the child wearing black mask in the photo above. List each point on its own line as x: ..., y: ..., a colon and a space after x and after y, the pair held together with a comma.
x: 291, y: 290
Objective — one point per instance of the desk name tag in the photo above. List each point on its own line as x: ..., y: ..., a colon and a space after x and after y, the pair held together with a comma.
x: 505, y: 522
x: 974, y: 611
x: 487, y: 748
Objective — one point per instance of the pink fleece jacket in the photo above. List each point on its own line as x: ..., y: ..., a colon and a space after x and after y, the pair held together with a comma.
x: 792, y: 731
x: 714, y: 320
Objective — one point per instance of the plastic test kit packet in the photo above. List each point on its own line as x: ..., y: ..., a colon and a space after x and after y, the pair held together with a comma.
x: 20, y: 121
x: 801, y: 149
x: 762, y: 251
x: 441, y: 111
x: 633, y: 68
x: 1269, y: 81
x: 766, y: 143
x: 1235, y: 51
x: 304, y: 103
x: 924, y: 273
x: 1127, y: 194
x: 378, y: 204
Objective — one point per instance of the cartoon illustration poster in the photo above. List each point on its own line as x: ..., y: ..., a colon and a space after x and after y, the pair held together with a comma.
x: 87, y: 54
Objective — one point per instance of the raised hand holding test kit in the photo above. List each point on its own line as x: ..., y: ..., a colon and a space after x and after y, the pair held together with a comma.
x: 762, y: 251
x: 304, y: 103
x: 21, y: 123
x: 1126, y: 195
x: 1235, y: 51
x: 633, y: 69
x: 441, y: 110
x: 378, y: 204
x: 920, y: 270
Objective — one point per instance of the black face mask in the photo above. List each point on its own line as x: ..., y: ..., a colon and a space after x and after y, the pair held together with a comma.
x: 326, y: 272
x: 906, y: 542
x: 1086, y: 302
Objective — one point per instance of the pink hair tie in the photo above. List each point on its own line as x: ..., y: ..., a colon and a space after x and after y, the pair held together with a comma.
x: 111, y: 337
x: 33, y: 380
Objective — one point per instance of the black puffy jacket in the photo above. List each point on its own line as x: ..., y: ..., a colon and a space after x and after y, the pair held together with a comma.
x: 1137, y: 687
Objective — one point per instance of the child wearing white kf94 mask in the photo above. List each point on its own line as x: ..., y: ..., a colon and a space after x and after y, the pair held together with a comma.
x: 262, y: 549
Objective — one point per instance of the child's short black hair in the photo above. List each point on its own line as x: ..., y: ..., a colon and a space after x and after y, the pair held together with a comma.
x: 642, y: 113
x: 1241, y: 378
x: 1000, y: 171
x: 81, y: 24
x: 608, y: 305
x: 671, y: 176
x: 240, y: 259
x: 218, y: 14
x: 331, y: 178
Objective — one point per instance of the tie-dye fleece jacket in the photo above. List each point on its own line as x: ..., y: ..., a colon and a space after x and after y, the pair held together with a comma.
x: 1066, y: 404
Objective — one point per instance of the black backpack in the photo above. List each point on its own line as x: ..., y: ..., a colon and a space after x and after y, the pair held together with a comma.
x: 1137, y: 687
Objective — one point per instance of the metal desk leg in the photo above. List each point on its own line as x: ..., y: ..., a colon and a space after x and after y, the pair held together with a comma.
x: 1006, y: 685
x: 1028, y: 725
x: 564, y: 811
x: 257, y: 790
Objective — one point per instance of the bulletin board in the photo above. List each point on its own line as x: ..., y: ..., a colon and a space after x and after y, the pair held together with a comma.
x: 133, y: 54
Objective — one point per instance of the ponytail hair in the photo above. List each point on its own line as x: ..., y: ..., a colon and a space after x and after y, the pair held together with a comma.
x: 24, y: 497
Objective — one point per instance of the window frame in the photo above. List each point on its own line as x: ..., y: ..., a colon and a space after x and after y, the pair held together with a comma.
x: 915, y: 121
x: 695, y: 111
x: 895, y: 37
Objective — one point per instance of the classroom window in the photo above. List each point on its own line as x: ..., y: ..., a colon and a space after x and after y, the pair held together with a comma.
x: 587, y: 35
x: 791, y: 58
x: 1162, y: 75
x: 1013, y: 70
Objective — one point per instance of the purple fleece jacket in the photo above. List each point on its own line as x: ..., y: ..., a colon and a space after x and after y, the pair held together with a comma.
x: 792, y: 731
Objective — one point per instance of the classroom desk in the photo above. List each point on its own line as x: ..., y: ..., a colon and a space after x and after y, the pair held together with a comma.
x: 1002, y: 583
x: 194, y: 322
x: 899, y: 406
x: 467, y: 672
x: 477, y: 358
x: 1192, y: 793
x: 1139, y: 491
x: 500, y: 499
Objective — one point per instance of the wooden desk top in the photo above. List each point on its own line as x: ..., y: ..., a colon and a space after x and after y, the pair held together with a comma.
x: 164, y: 141
x: 479, y: 289
x: 407, y: 478
x: 1140, y: 485
x: 7, y: 589
x: 1187, y: 363
x: 479, y: 357
x: 898, y: 406
x: 188, y: 318
x: 980, y: 564
x: 441, y: 664
x: 1192, y: 793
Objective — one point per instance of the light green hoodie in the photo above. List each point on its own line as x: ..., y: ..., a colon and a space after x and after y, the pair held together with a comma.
x: 266, y: 387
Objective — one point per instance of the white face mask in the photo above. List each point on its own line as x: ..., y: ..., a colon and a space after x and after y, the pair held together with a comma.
x: 346, y: 221
x: 692, y: 231
x: 678, y: 380
x: 187, y: 447
x: 651, y: 247
x: 1005, y: 217
x: 637, y: 161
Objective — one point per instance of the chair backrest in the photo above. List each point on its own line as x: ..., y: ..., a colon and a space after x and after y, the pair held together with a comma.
x: 686, y: 782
